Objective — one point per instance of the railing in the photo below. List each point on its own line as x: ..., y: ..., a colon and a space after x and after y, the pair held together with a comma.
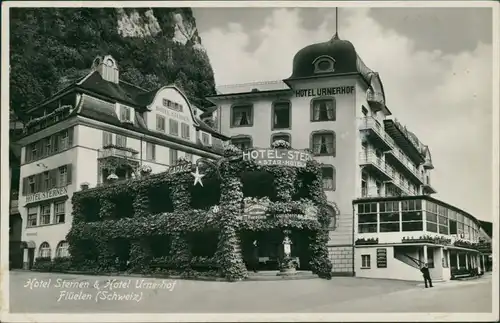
x: 407, y: 163
x: 116, y: 152
x: 372, y: 123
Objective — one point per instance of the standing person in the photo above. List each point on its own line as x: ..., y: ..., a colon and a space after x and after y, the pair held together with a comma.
x: 255, y: 256
x: 427, y: 276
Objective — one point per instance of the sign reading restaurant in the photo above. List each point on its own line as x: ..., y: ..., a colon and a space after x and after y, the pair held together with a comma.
x: 50, y: 194
x: 325, y: 91
x: 282, y: 157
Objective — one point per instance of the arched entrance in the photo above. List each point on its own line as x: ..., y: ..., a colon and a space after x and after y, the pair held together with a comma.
x: 28, y: 254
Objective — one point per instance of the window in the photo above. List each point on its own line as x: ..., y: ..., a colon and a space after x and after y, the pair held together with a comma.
x: 242, y: 143
x: 63, y: 176
x: 125, y: 113
x: 281, y: 115
x: 389, y: 217
x: 367, y: 217
x: 150, y: 151
x: 44, y: 251
x: 34, y: 151
x: 121, y: 141
x: 328, y: 178
x: 364, y: 184
x: 46, y: 181
x: 189, y: 157
x: 324, y: 64
x: 205, y: 139
x: 173, y: 156
x: 44, y: 214
x: 185, y: 133
x: 242, y: 116
x: 412, y: 216
x: 333, y: 217
x: 32, y: 215
x: 432, y: 216
x: 323, y: 143
x: 323, y: 110
x: 107, y: 138
x: 173, y: 127
x: 64, y: 140
x: 60, y: 212
x: 365, y: 261
x: 48, y: 146
x: 31, y: 184
x: 281, y: 136
x: 160, y: 123
x: 62, y: 249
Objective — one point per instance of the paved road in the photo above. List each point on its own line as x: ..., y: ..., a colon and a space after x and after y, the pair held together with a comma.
x: 339, y: 295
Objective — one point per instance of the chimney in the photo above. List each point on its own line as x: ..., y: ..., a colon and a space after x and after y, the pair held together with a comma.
x: 107, y: 67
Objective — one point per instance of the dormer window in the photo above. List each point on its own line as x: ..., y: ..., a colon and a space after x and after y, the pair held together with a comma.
x: 125, y: 114
x: 324, y: 64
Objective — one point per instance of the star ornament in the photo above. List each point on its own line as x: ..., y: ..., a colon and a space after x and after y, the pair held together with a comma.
x: 197, y: 177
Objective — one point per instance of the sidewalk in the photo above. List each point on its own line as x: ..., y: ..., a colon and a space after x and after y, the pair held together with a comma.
x: 452, y: 283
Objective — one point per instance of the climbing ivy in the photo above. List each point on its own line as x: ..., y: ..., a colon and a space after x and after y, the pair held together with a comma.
x: 161, y: 206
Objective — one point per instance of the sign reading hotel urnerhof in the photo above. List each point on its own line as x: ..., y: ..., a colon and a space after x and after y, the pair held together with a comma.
x: 281, y: 157
x: 53, y: 193
x: 324, y: 91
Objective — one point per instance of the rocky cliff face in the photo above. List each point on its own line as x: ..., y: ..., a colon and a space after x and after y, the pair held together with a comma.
x: 51, y: 47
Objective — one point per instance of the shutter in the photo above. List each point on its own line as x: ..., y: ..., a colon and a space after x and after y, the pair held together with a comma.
x: 104, y: 138
x: 25, y: 186
x: 70, y: 136
x: 53, y: 178
x: 42, y: 182
x: 27, y: 153
x: 69, y: 174
x: 38, y: 182
x: 55, y: 142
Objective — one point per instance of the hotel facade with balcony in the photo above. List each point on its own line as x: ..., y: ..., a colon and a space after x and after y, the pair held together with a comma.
x: 334, y: 106
x: 96, y: 130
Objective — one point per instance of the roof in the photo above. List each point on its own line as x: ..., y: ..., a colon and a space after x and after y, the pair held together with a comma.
x: 487, y: 227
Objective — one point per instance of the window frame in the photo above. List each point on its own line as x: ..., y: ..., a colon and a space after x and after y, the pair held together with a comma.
x: 164, y: 122
x: 45, y: 215
x: 334, y: 177
x: 173, y: 160
x: 366, y: 264
x: 45, y: 247
x: 321, y: 133
x: 277, y: 134
x: 150, y: 156
x: 32, y: 216
x: 232, y: 114
x: 273, y: 115
x: 324, y: 58
x: 57, y: 213
x: 323, y: 98
x: 242, y: 137
x: 173, y: 125
x: 59, y: 247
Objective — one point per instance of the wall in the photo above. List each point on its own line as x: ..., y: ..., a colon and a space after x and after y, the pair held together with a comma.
x: 395, y: 268
x: 347, y: 140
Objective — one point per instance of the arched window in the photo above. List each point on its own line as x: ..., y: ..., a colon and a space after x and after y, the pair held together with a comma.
x: 323, y: 109
x: 333, y: 213
x: 324, y: 64
x: 281, y: 136
x: 323, y: 143
x: 329, y: 179
x: 242, y: 142
x: 44, y: 250
x: 62, y: 249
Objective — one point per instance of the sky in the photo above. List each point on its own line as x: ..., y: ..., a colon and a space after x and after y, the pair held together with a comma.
x: 435, y: 64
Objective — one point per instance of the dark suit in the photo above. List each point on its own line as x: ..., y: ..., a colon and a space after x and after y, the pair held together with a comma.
x: 427, y: 276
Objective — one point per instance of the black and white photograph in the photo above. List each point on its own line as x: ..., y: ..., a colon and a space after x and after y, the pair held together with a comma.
x: 250, y: 161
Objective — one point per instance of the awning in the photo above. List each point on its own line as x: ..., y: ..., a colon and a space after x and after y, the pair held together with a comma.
x: 462, y: 249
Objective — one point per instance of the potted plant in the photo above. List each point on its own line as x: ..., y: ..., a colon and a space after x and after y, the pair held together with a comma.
x: 288, y: 266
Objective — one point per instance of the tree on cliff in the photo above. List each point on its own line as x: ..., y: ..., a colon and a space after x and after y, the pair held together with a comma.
x: 51, y: 47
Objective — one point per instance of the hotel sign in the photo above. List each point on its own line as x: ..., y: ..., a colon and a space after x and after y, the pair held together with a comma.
x: 280, y: 157
x: 324, y: 91
x: 53, y: 193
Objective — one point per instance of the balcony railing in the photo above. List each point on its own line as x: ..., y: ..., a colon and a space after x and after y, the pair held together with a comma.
x: 117, y: 152
x: 370, y: 158
x: 405, y: 161
x: 370, y: 123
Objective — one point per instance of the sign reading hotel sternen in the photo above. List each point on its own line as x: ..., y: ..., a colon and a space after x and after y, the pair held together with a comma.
x: 53, y: 193
x: 325, y: 91
x: 281, y: 157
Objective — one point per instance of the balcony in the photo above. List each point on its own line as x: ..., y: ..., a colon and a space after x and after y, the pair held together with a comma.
x: 116, y: 151
x: 428, y: 189
x: 406, y: 140
x: 374, y: 164
x: 374, y: 130
x: 397, y: 158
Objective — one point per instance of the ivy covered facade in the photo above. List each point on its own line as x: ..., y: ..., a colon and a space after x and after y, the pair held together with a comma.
x: 170, y: 223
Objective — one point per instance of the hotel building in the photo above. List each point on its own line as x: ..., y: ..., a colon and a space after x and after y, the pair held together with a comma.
x: 376, y: 173
x: 99, y: 129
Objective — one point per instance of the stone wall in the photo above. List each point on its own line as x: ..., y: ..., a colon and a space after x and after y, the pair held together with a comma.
x: 342, y: 260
